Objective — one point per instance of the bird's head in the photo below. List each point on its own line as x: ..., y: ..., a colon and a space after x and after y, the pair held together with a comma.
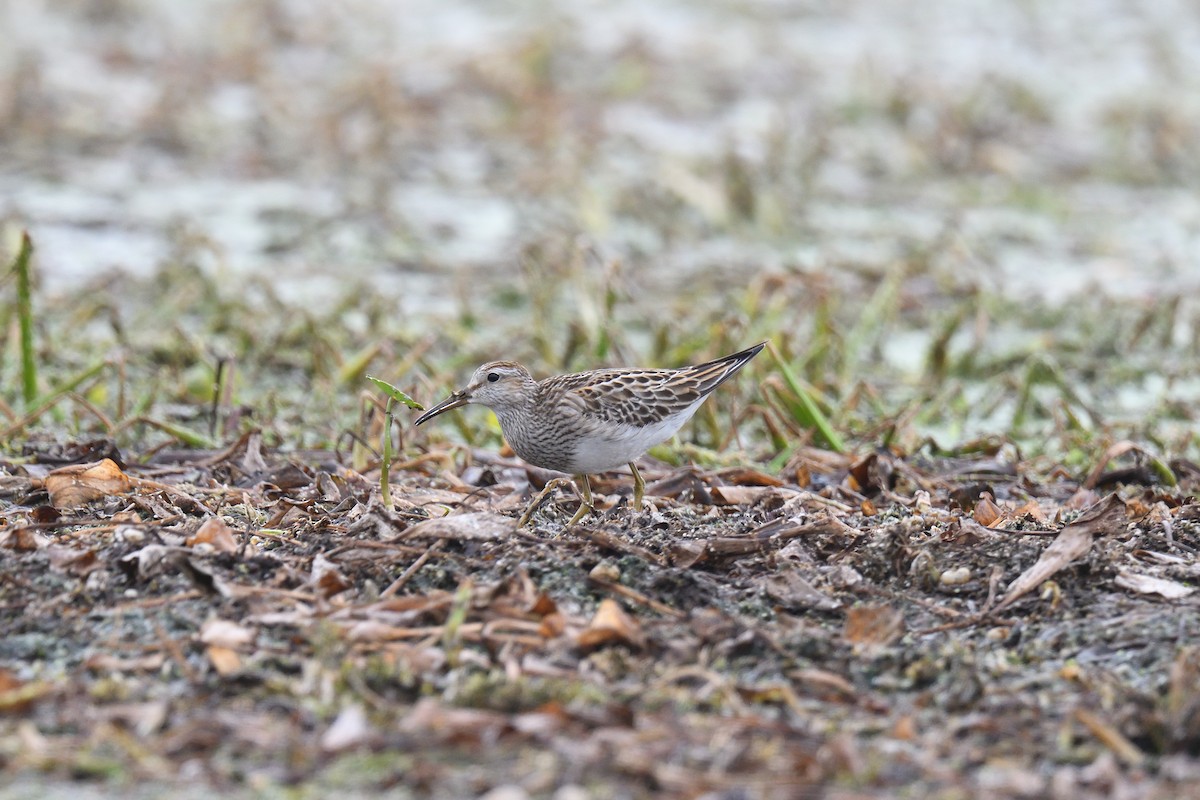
x: 499, y: 385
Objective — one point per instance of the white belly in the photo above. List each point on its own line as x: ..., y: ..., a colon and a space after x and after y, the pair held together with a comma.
x: 616, y: 445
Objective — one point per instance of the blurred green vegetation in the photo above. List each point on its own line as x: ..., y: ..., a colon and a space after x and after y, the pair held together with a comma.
x: 892, y: 359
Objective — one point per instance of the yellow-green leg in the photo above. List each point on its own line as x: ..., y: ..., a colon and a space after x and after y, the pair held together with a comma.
x: 585, y: 499
x: 639, y: 487
x: 537, y: 502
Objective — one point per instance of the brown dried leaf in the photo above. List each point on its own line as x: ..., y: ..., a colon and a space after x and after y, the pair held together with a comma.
x: 552, y: 625
x: 744, y: 476
x: 687, y: 553
x: 745, y: 495
x: 610, y: 624
x: 1032, y: 511
x: 23, y: 540
x: 873, y: 625
x: 543, y: 605
x: 72, y: 561
x: 986, y: 513
x: 326, y: 578
x: 1071, y: 543
x: 224, y: 660
x: 77, y: 484
x: 215, y: 532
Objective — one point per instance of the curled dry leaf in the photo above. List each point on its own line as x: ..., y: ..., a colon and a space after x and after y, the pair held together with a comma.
x: 326, y: 578
x: 215, y: 532
x: 1148, y: 584
x: 986, y: 513
x: 610, y: 625
x: 70, y: 487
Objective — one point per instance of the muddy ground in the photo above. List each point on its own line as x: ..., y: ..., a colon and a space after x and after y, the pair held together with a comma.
x: 841, y: 629
x: 969, y: 230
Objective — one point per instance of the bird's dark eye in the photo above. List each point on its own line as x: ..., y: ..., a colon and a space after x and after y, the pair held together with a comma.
x: 493, y: 377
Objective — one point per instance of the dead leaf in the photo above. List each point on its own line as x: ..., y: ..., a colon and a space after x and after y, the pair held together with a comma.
x: 1032, y: 512
x: 73, y: 486
x: 224, y: 633
x: 687, y: 552
x: 986, y: 513
x: 215, y: 532
x: 106, y: 662
x: 552, y: 625
x: 22, y: 539
x: 744, y: 476
x: 1148, y: 584
x: 349, y: 729
x: 746, y: 495
x: 224, y: 660
x: 477, y: 526
x: 873, y: 625
x: 792, y: 591
x: 326, y: 578
x: 17, y: 696
x: 822, y: 682
x: 610, y: 624
x: 432, y: 719
x: 1072, y: 542
x: 72, y: 561
x: 143, y: 718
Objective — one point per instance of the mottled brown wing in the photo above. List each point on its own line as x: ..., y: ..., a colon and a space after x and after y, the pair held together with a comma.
x: 642, y: 397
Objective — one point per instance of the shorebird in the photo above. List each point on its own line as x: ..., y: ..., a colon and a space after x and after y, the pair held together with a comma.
x: 590, y: 422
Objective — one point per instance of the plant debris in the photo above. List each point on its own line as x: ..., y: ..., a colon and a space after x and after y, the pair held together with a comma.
x: 313, y: 621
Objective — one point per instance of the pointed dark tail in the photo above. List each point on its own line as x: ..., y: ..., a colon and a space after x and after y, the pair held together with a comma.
x: 722, y: 369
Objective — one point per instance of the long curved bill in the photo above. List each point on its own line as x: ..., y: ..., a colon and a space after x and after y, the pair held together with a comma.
x: 453, y: 401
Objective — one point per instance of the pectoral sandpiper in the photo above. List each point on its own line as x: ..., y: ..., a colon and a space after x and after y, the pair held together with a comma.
x: 593, y: 421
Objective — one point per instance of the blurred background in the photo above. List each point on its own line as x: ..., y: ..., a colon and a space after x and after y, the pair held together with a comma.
x: 982, y: 216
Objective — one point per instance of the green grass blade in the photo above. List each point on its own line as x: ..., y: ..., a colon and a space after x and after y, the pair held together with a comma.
x: 29, y: 380
x: 394, y: 393
x: 385, y: 466
x: 808, y: 414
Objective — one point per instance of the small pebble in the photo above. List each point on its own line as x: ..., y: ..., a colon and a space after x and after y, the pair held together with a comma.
x: 605, y: 571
